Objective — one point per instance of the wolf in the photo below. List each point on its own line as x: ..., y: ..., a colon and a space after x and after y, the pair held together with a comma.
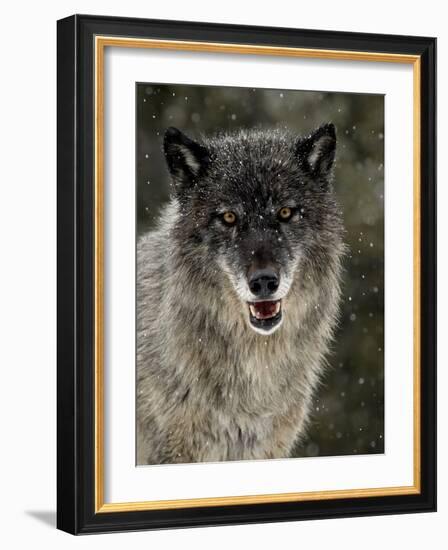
x: 237, y: 295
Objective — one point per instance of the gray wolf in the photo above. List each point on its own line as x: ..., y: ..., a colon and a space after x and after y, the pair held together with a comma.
x: 237, y: 296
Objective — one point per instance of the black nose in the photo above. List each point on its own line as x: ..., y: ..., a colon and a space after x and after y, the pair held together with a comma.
x: 263, y: 282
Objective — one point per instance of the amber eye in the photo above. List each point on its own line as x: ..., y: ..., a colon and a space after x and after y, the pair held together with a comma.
x: 285, y: 213
x: 229, y: 218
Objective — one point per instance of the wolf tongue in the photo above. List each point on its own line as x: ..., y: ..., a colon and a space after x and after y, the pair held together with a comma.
x: 265, y: 309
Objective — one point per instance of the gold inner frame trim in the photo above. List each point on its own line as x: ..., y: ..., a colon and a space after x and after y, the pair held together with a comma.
x: 101, y: 42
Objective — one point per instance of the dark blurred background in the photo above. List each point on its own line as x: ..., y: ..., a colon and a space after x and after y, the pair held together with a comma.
x: 349, y: 406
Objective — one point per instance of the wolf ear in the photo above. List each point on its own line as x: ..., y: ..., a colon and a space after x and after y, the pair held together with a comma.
x: 186, y: 159
x: 316, y: 152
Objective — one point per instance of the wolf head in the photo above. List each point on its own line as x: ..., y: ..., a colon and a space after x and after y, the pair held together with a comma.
x: 259, y: 205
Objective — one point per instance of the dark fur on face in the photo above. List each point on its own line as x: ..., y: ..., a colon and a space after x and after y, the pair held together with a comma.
x: 278, y: 190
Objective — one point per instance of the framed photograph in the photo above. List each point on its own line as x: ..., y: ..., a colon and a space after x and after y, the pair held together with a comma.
x: 246, y: 274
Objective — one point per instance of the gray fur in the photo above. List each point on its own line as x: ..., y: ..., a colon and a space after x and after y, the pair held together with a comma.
x: 209, y: 387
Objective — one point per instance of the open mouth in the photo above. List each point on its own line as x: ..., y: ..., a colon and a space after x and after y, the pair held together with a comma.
x: 265, y: 315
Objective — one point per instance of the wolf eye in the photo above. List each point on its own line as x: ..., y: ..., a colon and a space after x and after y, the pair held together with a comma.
x: 285, y: 213
x: 229, y: 218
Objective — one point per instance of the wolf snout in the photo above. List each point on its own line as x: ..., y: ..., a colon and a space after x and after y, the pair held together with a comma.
x: 263, y: 282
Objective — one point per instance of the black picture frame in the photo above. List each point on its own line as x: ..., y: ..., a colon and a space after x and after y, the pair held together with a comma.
x: 76, y: 512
